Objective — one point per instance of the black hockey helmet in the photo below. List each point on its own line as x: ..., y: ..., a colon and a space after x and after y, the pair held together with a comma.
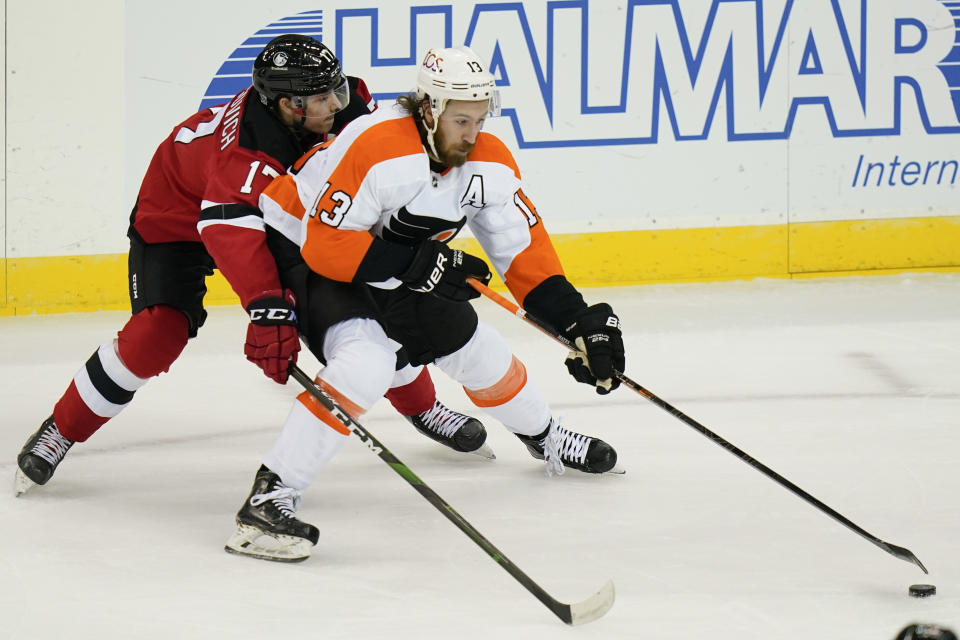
x: 295, y: 65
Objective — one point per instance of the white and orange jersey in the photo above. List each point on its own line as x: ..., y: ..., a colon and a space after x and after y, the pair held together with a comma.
x: 370, y: 195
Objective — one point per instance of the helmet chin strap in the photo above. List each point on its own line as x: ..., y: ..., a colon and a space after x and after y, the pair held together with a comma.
x: 432, y: 148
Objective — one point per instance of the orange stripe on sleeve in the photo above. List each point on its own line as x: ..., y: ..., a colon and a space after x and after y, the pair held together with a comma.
x: 503, y: 390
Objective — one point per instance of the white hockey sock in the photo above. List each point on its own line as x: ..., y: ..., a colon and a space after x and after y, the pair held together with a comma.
x: 526, y: 413
x: 496, y: 381
x: 360, y: 366
x: 305, y: 444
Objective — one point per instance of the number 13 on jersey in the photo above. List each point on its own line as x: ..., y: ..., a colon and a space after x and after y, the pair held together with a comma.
x: 331, y: 210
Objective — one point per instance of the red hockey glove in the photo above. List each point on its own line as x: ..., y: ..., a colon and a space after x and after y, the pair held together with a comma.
x: 442, y: 271
x: 272, y: 340
x: 596, y: 333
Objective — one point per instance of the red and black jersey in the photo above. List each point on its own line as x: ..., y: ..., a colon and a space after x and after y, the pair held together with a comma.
x: 204, y: 182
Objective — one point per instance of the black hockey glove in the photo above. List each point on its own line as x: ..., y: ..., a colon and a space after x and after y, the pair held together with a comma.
x: 442, y: 271
x: 596, y: 333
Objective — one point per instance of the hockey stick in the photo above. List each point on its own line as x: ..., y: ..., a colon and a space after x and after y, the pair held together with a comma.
x: 899, y: 552
x: 573, y: 614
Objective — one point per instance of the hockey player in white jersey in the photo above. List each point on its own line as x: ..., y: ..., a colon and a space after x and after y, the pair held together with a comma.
x: 377, y: 205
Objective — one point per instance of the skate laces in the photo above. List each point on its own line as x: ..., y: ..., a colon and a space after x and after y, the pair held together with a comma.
x: 560, y: 445
x: 52, y: 446
x: 286, y: 499
x: 442, y: 420
x: 551, y: 450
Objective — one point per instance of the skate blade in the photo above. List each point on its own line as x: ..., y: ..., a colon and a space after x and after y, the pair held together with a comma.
x: 617, y: 470
x: 21, y: 483
x: 484, y: 452
x: 252, y: 542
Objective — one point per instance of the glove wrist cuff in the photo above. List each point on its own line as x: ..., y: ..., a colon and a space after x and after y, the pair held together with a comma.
x: 596, y: 317
x: 273, y: 310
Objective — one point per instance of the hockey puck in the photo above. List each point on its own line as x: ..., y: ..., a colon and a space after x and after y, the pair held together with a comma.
x: 922, y: 590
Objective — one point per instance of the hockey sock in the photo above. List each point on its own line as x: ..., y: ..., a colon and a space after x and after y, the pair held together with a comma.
x: 515, y: 401
x: 311, y: 436
x: 360, y: 366
x: 147, y: 345
x: 496, y: 381
x: 413, y: 398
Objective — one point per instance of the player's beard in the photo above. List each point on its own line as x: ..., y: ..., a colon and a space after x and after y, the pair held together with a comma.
x: 452, y: 155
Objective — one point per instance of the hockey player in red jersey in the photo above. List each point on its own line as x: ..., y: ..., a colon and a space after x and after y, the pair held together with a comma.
x: 377, y: 205
x: 196, y: 210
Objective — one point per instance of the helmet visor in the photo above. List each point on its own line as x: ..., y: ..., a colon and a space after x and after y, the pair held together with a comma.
x: 340, y: 93
x: 495, y: 103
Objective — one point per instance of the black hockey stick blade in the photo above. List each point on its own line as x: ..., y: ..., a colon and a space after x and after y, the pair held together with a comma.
x: 901, y: 552
x: 573, y: 614
x: 894, y: 550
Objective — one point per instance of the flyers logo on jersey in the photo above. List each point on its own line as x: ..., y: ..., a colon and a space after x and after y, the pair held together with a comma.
x: 410, y: 229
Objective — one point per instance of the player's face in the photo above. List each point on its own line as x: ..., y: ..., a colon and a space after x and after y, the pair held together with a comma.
x: 315, y: 113
x: 320, y: 110
x: 457, y: 130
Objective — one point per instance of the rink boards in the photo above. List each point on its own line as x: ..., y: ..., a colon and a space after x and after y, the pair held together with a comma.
x: 663, y: 140
x: 89, y: 283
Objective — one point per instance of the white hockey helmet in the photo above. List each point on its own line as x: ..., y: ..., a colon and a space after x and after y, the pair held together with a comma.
x: 456, y: 73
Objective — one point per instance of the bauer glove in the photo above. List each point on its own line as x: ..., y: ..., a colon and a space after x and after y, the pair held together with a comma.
x: 442, y: 271
x: 595, y: 331
x: 272, y: 340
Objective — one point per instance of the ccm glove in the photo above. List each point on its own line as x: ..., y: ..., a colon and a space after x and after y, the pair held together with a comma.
x: 442, y: 271
x: 596, y: 333
x: 272, y: 340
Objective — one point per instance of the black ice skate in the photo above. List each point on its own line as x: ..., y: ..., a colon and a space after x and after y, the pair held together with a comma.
x: 575, y: 450
x: 453, y: 429
x: 40, y: 456
x: 267, y: 526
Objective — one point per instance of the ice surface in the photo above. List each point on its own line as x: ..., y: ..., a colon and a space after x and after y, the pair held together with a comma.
x: 850, y: 388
